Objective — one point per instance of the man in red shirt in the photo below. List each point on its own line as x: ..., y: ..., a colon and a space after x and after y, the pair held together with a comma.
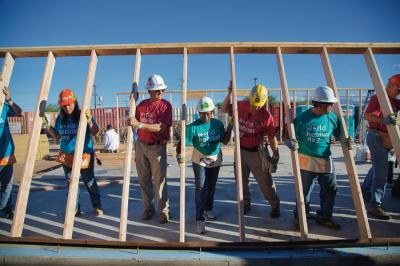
x: 379, y: 144
x: 255, y: 122
x: 153, y: 119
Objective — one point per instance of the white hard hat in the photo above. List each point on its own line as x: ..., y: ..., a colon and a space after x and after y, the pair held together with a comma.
x: 205, y: 104
x: 324, y: 94
x: 155, y: 82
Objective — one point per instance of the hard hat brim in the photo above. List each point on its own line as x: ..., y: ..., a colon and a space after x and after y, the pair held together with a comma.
x: 158, y: 88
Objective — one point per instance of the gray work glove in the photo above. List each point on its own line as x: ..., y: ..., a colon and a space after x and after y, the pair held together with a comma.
x: 292, y: 144
x: 392, y: 119
x: 349, y: 142
x: 180, y: 159
x: 275, y: 157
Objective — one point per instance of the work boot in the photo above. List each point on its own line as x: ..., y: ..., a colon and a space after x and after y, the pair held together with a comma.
x: 98, y: 211
x: 210, y: 215
x: 147, y: 214
x: 8, y: 215
x: 328, y: 222
x: 396, y: 188
x: 379, y: 213
x: 163, y: 218
x: 247, y: 209
x: 275, y: 212
x: 200, y: 227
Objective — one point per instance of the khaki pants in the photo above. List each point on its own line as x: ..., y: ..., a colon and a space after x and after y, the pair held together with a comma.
x: 151, y: 166
x: 251, y: 162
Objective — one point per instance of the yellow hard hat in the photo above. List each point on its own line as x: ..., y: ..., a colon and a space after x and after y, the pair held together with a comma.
x: 258, y: 95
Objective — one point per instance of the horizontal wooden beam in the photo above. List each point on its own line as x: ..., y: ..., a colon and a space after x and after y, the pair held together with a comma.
x: 205, y: 48
x: 207, y: 245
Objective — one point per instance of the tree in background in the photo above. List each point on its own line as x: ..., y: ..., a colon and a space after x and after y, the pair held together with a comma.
x: 51, y: 107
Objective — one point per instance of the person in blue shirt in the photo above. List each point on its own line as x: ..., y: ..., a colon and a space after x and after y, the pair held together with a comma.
x: 65, y: 129
x: 206, y: 135
x: 7, y: 157
x: 314, y: 130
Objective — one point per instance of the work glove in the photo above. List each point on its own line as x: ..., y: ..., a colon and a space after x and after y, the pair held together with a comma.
x: 230, y: 86
x: 6, y: 92
x: 45, y: 122
x: 88, y: 116
x: 392, y: 119
x: 180, y: 159
x: 349, y: 142
x: 98, y: 161
x: 275, y: 157
x: 292, y: 144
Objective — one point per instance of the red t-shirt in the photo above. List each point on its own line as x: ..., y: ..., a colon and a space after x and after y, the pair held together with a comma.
x: 374, y: 108
x: 154, y: 112
x: 253, y: 128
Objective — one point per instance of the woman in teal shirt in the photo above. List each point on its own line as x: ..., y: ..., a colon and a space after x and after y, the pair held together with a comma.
x: 65, y: 129
x: 206, y: 135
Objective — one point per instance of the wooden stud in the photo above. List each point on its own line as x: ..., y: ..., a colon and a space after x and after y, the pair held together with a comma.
x: 5, y: 76
x: 183, y: 151
x: 294, y: 154
x: 238, y: 164
x: 347, y: 108
x: 360, y: 126
x: 383, y: 99
x: 117, y: 108
x: 80, y: 139
x: 128, y: 152
x: 362, y: 220
x: 33, y: 144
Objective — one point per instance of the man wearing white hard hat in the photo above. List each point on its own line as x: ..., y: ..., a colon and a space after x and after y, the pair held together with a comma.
x: 314, y: 129
x: 206, y: 135
x: 153, y: 119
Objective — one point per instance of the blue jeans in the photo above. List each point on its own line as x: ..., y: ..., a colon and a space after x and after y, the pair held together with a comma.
x: 90, y: 183
x: 375, y: 182
x: 205, y: 181
x: 6, y: 182
x: 327, y: 183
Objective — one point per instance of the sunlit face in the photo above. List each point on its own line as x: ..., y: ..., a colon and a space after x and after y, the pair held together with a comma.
x: 156, y: 94
x: 69, y: 108
x: 205, y: 116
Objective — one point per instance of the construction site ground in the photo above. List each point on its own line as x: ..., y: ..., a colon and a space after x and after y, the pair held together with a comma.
x: 48, y: 196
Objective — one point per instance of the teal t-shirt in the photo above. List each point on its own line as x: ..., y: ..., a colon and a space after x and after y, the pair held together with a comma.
x: 205, y: 137
x: 68, y: 133
x: 314, y: 133
x: 6, y: 142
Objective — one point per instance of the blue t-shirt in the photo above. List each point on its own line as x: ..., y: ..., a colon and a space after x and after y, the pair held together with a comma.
x: 314, y: 133
x: 205, y: 137
x: 6, y: 142
x: 68, y: 134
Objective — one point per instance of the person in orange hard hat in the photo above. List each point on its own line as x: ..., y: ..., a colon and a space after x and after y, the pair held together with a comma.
x: 379, y: 144
x: 65, y: 129
x: 255, y: 122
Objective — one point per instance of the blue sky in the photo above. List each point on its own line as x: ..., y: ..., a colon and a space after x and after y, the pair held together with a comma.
x: 79, y: 22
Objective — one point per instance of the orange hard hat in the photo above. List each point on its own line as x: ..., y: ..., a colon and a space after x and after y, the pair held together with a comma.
x: 395, y: 80
x: 67, y: 96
